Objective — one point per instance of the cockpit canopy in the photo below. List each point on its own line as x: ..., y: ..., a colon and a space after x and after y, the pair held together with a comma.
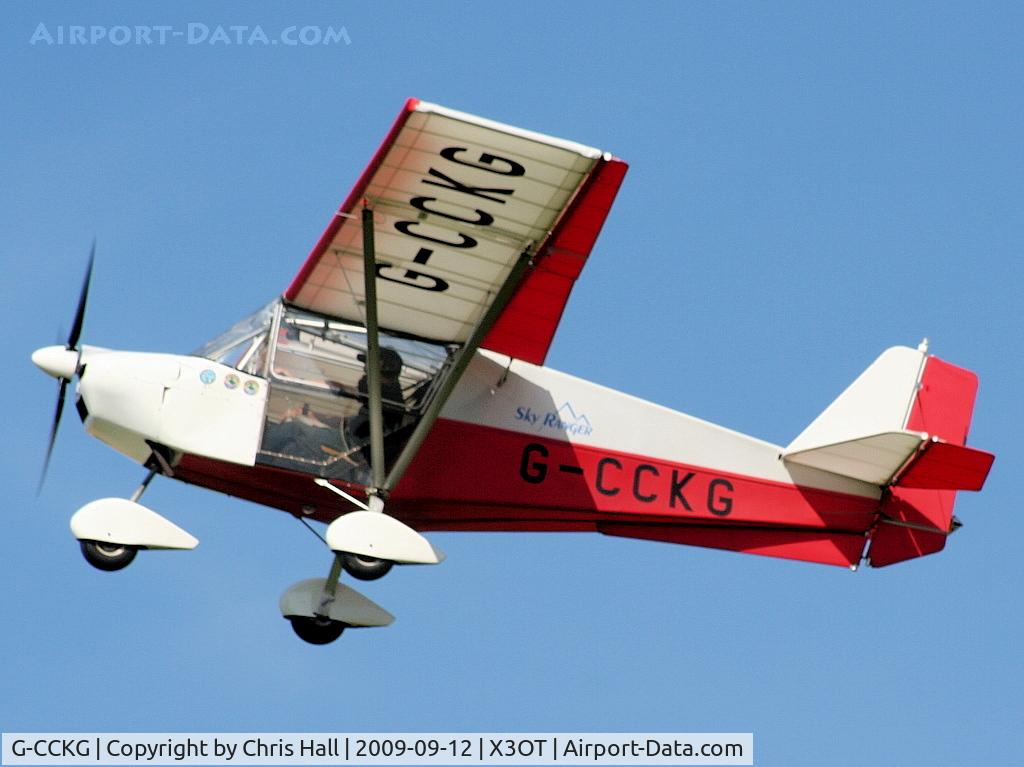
x: 244, y: 344
x: 317, y: 410
x: 293, y: 347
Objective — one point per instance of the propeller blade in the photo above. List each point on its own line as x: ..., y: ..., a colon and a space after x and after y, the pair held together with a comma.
x: 63, y: 386
x: 72, y: 345
x: 76, y: 328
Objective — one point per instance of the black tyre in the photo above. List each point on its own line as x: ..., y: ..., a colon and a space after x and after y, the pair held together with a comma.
x: 108, y: 556
x: 316, y: 630
x: 366, y: 568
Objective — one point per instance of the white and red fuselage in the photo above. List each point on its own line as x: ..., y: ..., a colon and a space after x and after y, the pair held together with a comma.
x: 520, y: 447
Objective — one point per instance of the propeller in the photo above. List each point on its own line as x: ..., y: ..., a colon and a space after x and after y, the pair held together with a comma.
x: 64, y: 363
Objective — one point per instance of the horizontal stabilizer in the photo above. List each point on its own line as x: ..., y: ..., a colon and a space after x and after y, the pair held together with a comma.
x: 945, y: 466
x: 875, y: 458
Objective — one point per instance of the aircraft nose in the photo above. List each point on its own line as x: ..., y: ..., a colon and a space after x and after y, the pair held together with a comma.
x: 56, y: 361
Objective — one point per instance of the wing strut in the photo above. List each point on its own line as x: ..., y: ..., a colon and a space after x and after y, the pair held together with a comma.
x: 462, y: 359
x: 373, y: 358
x: 381, y: 486
x: 399, y: 537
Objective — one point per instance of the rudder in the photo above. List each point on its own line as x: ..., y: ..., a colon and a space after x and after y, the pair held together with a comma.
x: 902, y: 425
x: 916, y: 521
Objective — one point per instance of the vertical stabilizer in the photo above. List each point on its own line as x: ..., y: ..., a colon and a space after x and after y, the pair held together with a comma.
x: 879, y: 401
x: 914, y: 521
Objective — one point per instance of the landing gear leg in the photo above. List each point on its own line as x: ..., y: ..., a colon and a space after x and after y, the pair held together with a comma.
x: 142, y: 487
x: 320, y: 628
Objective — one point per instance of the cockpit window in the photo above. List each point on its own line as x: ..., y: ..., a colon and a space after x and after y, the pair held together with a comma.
x: 244, y: 346
x: 318, y: 410
x: 330, y: 355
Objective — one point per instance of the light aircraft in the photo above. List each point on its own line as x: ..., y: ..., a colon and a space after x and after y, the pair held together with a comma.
x: 398, y: 386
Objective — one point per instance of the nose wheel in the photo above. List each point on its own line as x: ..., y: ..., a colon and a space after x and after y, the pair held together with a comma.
x: 112, y: 530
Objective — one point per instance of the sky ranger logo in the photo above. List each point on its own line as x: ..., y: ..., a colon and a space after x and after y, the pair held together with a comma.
x: 565, y: 420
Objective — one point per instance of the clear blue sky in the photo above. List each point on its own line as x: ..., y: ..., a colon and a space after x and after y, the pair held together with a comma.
x: 810, y: 183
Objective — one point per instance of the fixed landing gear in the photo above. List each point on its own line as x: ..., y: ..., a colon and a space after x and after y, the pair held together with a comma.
x: 108, y: 557
x: 112, y: 530
x: 366, y: 568
x: 320, y: 609
x: 316, y: 629
x: 365, y: 544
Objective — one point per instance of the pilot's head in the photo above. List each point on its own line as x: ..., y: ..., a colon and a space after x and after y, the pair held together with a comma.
x: 390, y: 362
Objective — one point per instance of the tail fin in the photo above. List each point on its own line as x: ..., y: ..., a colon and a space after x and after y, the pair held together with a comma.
x: 916, y: 519
x: 902, y: 425
x: 863, y: 433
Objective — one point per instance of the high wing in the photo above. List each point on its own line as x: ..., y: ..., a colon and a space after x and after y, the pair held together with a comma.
x: 457, y: 199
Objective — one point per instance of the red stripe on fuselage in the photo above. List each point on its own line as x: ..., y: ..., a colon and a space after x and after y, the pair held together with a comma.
x: 471, y: 477
x: 467, y: 464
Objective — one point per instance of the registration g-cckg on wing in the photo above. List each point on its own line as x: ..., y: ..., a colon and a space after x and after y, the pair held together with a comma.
x: 397, y: 386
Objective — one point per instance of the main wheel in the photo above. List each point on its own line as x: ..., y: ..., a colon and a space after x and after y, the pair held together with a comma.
x: 366, y: 568
x: 108, y: 556
x: 316, y: 630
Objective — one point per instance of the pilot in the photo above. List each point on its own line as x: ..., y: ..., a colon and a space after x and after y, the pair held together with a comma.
x: 390, y: 368
x: 357, y: 428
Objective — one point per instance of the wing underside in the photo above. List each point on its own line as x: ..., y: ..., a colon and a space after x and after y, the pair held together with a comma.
x: 456, y: 200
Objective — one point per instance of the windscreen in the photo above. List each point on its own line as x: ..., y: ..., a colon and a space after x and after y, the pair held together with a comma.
x: 244, y: 345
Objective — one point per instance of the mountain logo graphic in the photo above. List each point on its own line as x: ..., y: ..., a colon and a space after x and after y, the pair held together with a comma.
x: 568, y: 418
x: 565, y: 420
